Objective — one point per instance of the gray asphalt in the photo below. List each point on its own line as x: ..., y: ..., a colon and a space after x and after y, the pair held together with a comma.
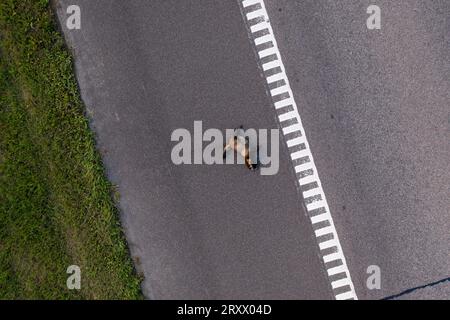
x: 375, y: 106
x: 196, y: 232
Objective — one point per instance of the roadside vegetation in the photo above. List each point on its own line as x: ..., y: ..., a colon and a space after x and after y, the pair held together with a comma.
x: 56, y: 207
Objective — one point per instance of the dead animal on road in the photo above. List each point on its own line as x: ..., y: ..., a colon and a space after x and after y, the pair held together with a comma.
x: 239, y: 143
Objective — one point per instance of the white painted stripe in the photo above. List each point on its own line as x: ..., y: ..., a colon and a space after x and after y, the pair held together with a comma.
x: 267, y: 52
x: 270, y: 65
x: 276, y: 77
x: 331, y: 257
x: 324, y: 231
x: 320, y: 218
x: 292, y: 128
x: 259, y: 26
x: 247, y: 3
x: 347, y: 295
x: 316, y: 204
x: 311, y: 193
x: 304, y: 167
x: 284, y: 103
x: 307, y: 180
x: 340, y: 283
x: 328, y: 244
x: 296, y: 142
x: 299, y: 154
x: 307, y: 152
x: 287, y: 115
x: 278, y: 90
x: 256, y: 14
x: 263, y: 39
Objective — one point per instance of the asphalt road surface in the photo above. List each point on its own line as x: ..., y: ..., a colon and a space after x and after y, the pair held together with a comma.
x: 376, y: 108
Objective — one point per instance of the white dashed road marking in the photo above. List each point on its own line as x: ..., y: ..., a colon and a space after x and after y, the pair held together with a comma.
x: 261, y: 33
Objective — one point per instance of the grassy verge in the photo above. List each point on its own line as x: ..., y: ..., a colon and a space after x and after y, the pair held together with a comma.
x: 56, y: 206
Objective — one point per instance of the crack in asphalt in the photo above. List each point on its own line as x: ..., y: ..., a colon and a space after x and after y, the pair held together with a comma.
x: 408, y: 291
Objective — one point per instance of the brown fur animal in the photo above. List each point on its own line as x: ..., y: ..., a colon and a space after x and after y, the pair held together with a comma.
x: 240, y: 144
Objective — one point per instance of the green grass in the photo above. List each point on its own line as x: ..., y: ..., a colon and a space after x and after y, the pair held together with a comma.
x: 56, y: 206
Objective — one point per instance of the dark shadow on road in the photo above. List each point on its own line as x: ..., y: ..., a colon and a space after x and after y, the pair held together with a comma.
x: 416, y: 288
